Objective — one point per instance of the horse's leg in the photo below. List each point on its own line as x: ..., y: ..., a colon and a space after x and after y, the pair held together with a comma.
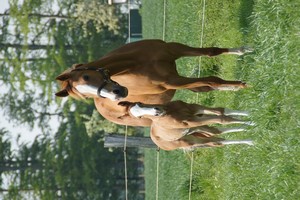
x: 179, y: 82
x: 248, y: 142
x: 202, y: 89
x: 180, y: 50
x: 220, y: 143
x: 200, y: 110
x: 210, y: 119
x: 210, y: 131
x: 230, y: 130
x: 229, y: 112
x: 201, y: 131
x: 139, y: 109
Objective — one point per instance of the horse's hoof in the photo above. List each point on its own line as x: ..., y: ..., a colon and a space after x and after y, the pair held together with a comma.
x: 250, y: 123
x: 249, y: 142
x: 243, y: 85
x: 245, y: 49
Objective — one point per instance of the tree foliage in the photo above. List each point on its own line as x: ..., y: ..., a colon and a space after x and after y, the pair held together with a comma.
x: 96, y: 123
x: 102, y: 15
x: 73, y: 165
x: 37, y: 43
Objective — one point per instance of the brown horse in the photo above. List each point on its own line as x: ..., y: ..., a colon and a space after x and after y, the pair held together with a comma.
x: 181, y: 125
x: 147, y: 70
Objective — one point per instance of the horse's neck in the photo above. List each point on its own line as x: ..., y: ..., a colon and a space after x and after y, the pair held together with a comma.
x: 114, y: 64
x: 108, y: 106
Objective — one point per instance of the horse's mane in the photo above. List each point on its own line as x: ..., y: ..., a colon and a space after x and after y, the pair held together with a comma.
x: 66, y: 84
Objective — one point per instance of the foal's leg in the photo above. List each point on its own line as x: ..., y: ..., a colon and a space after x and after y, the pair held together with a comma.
x: 229, y: 112
x: 220, y: 143
x: 210, y: 119
x: 179, y: 82
x: 248, y: 142
x: 200, y: 110
x: 200, y: 131
x: 203, y: 110
x: 211, y: 131
x: 180, y: 50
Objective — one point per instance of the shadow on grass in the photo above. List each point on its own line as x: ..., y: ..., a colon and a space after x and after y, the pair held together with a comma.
x: 211, y: 71
x: 245, y: 13
x: 246, y: 61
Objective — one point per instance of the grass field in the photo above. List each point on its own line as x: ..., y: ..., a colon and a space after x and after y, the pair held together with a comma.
x: 270, y: 169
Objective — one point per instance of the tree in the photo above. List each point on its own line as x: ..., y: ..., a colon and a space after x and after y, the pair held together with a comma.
x: 102, y: 15
x: 73, y: 165
x: 37, y: 44
x: 41, y: 45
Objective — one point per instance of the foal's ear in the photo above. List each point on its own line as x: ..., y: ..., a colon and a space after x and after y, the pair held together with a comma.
x: 125, y: 103
x: 63, y: 77
x: 63, y: 93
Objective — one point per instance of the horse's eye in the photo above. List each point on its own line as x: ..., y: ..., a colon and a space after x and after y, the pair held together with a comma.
x: 85, y: 77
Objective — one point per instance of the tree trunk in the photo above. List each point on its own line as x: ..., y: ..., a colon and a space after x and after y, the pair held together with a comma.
x: 57, y: 16
x: 35, y: 46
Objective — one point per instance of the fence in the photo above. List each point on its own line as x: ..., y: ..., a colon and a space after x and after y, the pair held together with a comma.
x: 124, y: 142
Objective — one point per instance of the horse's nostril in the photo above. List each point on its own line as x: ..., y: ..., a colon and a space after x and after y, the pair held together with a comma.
x: 116, y: 91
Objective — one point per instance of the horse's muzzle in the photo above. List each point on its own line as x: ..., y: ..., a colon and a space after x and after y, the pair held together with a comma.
x: 112, y: 91
x: 120, y: 92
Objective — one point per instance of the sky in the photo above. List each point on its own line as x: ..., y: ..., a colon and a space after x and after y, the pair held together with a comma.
x: 3, y: 5
x: 26, y: 135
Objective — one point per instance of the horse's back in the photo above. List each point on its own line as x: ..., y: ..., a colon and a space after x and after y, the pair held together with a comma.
x: 141, y: 46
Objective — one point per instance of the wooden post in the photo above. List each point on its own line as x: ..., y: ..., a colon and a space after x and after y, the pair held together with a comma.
x: 117, y: 141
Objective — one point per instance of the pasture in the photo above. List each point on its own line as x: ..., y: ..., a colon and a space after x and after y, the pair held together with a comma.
x: 271, y: 168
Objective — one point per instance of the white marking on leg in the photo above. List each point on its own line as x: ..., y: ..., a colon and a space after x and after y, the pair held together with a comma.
x: 235, y: 112
x: 240, y: 51
x: 227, y: 88
x: 231, y: 130
x: 248, y: 142
x: 249, y: 123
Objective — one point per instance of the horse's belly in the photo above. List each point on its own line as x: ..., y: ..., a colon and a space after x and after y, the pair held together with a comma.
x: 167, y: 134
x: 140, y: 85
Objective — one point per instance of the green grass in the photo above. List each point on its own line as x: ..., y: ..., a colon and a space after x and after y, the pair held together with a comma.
x: 270, y: 169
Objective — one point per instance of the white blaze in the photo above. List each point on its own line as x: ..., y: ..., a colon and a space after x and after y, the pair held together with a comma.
x: 87, y: 89
x: 92, y: 90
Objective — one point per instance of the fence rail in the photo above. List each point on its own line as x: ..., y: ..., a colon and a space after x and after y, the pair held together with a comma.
x: 118, y: 141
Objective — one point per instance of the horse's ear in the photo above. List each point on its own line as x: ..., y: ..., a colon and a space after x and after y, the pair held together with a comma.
x: 63, y: 77
x: 75, y: 66
x: 63, y: 93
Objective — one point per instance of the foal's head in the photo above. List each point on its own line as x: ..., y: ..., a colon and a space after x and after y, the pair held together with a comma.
x: 84, y: 82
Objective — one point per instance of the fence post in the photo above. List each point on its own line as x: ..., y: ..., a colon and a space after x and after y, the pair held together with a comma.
x: 114, y: 140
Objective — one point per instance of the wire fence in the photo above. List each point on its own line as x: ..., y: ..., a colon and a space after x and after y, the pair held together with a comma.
x: 126, y: 127
x: 198, y: 75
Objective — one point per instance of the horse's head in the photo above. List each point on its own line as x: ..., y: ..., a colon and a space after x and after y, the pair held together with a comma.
x: 80, y: 81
